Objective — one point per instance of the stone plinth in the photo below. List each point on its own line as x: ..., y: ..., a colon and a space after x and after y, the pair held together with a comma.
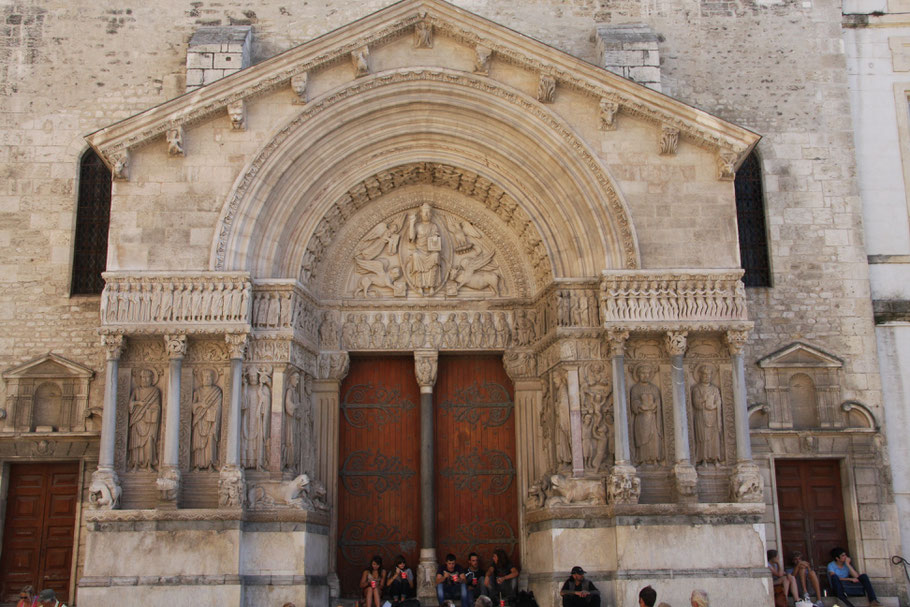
x: 202, y: 557
x: 673, y: 547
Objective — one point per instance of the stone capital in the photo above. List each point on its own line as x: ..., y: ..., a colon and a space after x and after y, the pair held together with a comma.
x: 236, y: 344
x: 520, y: 364
x: 104, y: 492
x: 746, y: 484
x: 616, y: 342
x: 426, y: 364
x: 113, y: 346
x: 685, y: 482
x: 175, y: 346
x: 333, y: 365
x: 231, y: 487
x: 736, y: 340
x: 623, y: 485
x: 676, y: 342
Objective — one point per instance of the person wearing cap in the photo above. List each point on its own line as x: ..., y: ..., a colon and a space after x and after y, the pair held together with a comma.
x: 579, y: 592
x: 48, y: 598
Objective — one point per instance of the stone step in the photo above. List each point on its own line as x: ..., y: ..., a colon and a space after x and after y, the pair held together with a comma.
x: 858, y: 601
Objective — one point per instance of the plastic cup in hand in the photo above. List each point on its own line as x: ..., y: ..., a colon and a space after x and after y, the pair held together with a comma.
x: 502, y: 603
x: 404, y: 575
x: 372, y: 583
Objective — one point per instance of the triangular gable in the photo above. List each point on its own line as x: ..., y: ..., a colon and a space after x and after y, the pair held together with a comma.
x: 48, y: 365
x: 729, y: 141
x: 800, y: 355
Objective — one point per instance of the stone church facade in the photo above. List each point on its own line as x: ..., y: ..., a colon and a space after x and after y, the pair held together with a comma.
x: 542, y: 196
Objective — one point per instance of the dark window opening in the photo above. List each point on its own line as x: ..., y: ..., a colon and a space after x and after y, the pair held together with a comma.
x: 93, y: 218
x: 750, y: 219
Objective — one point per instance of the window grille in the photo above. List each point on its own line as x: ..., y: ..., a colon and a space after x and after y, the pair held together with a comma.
x: 750, y: 219
x: 93, y: 218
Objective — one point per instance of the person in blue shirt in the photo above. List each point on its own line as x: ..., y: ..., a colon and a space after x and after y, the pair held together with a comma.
x: 845, y: 579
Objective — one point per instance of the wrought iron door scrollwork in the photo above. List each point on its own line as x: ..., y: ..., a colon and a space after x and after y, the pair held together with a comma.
x: 386, y: 403
x: 471, y: 468
x: 386, y: 472
x: 472, y: 401
x: 360, y: 540
x: 477, y: 534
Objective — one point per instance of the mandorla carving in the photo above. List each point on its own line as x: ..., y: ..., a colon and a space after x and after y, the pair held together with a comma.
x: 421, y: 251
x: 659, y: 297
x: 149, y: 300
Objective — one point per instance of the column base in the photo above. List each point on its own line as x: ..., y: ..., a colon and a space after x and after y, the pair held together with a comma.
x: 746, y: 485
x: 623, y: 485
x: 334, y: 585
x: 168, y: 485
x: 231, y: 487
x: 104, y: 492
x: 685, y: 483
x: 426, y: 576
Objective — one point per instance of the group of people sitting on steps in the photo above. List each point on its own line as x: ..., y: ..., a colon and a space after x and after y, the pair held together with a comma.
x: 453, y: 582
x: 843, y: 579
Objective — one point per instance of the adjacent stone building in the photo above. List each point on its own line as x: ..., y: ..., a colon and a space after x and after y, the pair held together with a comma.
x: 289, y: 286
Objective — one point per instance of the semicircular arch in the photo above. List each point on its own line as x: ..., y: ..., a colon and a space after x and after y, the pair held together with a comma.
x: 521, y: 154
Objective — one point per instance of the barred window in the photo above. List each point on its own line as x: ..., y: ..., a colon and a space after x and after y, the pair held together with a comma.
x: 93, y: 218
x: 750, y: 219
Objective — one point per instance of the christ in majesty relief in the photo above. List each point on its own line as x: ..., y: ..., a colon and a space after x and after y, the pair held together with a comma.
x: 423, y: 266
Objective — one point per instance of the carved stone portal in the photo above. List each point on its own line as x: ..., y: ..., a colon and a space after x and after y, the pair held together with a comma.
x: 421, y: 252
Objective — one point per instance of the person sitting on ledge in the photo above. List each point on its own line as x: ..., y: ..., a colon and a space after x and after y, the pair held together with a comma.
x: 845, y: 581
x: 501, y: 582
x: 48, y: 598
x: 579, y: 592
x: 450, y: 582
x: 400, y: 581
x: 699, y: 598
x: 802, y: 570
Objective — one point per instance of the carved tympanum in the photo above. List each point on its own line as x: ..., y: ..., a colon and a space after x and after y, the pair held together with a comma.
x: 422, y: 252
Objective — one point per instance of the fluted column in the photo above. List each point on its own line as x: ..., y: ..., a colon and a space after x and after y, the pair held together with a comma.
x: 104, y: 492
x: 168, y: 482
x: 425, y: 367
x: 685, y: 477
x: 231, y: 488
x: 332, y: 368
x: 746, y: 483
x: 624, y: 486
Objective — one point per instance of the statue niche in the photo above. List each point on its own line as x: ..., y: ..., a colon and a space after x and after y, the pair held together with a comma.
x: 423, y: 252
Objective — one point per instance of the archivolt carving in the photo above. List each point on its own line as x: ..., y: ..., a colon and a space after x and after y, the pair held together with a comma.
x: 384, y: 246
x: 616, y: 208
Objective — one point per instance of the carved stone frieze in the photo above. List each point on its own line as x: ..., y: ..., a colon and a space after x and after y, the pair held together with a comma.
x: 661, y: 297
x: 301, y: 493
x: 237, y: 113
x: 159, y: 303
x: 174, y: 139
x: 562, y: 490
x: 426, y: 330
x: 669, y: 141
x: 520, y: 364
x: 608, y: 110
x: 546, y: 89
x: 299, y: 84
x: 333, y: 365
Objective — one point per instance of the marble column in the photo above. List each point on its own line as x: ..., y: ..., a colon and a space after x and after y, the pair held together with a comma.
x: 425, y: 368
x: 104, y: 492
x: 746, y: 483
x: 332, y: 368
x: 624, y: 486
x: 231, y: 487
x: 168, y: 482
x: 685, y: 477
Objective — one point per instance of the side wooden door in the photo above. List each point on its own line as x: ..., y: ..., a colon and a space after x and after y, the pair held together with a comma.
x: 39, y: 528
x: 379, y: 467
x: 811, y: 509
x: 476, y: 490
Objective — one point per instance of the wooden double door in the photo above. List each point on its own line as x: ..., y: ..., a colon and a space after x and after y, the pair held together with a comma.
x: 379, y: 488
x: 810, y: 509
x: 39, y: 528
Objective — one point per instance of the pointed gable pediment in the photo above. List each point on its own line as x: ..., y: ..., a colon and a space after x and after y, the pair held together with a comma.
x: 49, y: 365
x: 354, y: 43
x: 800, y: 355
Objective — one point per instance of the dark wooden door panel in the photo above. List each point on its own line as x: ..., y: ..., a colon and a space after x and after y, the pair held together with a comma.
x: 476, y: 496
x: 379, y: 466
x: 39, y: 528
x: 810, y: 508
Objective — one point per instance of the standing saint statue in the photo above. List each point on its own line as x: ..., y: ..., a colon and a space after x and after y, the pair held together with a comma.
x: 257, y: 405
x: 706, y: 403
x: 644, y: 398
x: 292, y: 429
x: 144, y: 423
x: 207, y: 401
x: 563, y: 437
x: 423, y: 266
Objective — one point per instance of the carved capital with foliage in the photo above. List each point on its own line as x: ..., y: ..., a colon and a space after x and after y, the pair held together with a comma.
x: 237, y: 343
x: 616, y: 342
x: 113, y: 346
x: 426, y: 364
x: 736, y: 341
x: 175, y: 346
x: 676, y: 342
